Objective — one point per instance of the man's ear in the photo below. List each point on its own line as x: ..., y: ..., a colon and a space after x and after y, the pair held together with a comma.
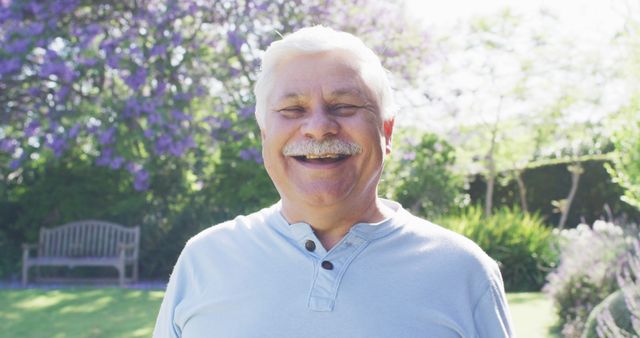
x: 387, y: 127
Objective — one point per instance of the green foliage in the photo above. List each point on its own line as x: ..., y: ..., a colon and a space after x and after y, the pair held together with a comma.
x: 552, y: 182
x: 626, y: 160
x: 520, y: 243
x: 419, y: 174
x: 586, y: 275
x: 617, y: 307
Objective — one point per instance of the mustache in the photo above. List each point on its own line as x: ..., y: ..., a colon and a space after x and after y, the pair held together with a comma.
x: 317, y: 148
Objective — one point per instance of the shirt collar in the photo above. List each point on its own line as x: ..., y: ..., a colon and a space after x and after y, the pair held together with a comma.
x: 367, y: 231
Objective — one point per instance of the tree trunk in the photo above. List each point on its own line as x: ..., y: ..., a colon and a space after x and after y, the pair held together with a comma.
x: 488, y: 197
x: 522, y: 189
x: 576, y: 170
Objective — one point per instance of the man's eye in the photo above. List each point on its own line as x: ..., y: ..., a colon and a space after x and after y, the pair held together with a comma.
x: 344, y: 109
x: 291, y: 111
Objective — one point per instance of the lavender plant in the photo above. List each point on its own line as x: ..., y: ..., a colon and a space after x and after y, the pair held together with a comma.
x: 611, y: 324
x: 586, y: 274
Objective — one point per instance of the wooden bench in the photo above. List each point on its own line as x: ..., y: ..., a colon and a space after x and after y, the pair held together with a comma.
x: 85, y: 243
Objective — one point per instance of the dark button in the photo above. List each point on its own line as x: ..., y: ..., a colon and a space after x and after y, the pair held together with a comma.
x: 310, y: 245
x: 327, y: 265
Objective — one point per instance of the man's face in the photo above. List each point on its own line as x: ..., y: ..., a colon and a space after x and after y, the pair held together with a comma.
x: 323, y: 98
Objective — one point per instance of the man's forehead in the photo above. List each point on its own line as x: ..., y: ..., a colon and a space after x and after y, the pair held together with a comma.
x: 299, y: 94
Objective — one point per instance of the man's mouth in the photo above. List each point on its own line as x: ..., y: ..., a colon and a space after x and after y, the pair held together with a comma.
x: 321, y: 158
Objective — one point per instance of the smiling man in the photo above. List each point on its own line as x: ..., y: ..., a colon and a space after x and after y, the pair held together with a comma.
x: 331, y: 259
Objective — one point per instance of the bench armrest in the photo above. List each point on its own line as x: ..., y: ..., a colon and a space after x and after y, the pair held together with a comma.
x: 124, y: 247
x: 26, y: 247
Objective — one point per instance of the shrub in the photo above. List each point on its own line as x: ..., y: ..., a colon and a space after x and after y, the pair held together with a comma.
x: 521, y: 244
x: 622, y: 319
x: 586, y: 274
x: 419, y: 174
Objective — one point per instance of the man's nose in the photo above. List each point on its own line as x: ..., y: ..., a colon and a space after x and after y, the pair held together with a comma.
x: 320, y: 124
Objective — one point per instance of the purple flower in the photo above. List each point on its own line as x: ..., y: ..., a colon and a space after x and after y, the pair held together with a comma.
x: 235, y: 41
x: 32, y: 128
x: 57, y: 143
x: 148, y: 106
x: 176, y: 39
x: 33, y: 91
x: 155, y: 118
x: 10, y: 66
x: 162, y: 143
x: 180, y: 116
x: 73, y: 132
x: 105, y: 157
x: 252, y: 154
x: 246, y: 112
x: 226, y: 124
x: 108, y: 136
x: 131, y: 108
x: 113, y: 60
x: 161, y: 88
x: 35, y: 28
x: 117, y: 162
x: 62, y: 93
x: 157, y: 50
x: 149, y: 133
x: 137, y: 79
x: 141, y: 180
x: 410, y: 156
x: 15, y: 164
x: 90, y: 62
x: 18, y: 46
x: 245, y: 154
x: 8, y: 145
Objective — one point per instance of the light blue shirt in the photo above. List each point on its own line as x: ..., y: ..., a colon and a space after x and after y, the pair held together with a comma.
x: 256, y: 276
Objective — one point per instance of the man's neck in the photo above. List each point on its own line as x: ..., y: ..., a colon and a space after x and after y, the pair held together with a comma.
x: 331, y: 223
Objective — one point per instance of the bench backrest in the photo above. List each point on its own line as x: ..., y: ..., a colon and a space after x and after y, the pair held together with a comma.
x: 88, y: 239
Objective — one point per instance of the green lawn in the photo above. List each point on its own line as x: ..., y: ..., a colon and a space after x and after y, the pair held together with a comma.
x: 533, y: 315
x: 112, y: 312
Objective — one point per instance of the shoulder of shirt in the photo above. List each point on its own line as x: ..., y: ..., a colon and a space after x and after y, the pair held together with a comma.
x: 455, y: 246
x: 231, y: 229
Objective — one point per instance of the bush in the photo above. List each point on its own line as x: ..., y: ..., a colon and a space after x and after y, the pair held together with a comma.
x: 419, y: 174
x: 520, y: 243
x: 626, y: 159
x: 622, y: 317
x: 586, y: 275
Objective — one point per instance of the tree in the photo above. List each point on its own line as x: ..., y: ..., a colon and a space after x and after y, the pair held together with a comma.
x: 137, y: 84
x: 509, y: 100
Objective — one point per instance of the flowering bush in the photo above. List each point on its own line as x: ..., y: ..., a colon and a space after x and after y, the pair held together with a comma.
x: 131, y: 83
x: 624, y: 321
x: 586, y: 274
x: 521, y: 244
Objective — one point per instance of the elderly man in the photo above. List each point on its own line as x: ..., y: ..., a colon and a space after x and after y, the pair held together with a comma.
x: 331, y: 259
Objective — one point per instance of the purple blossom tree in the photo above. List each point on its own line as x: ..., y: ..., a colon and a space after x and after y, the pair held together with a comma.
x: 139, y: 84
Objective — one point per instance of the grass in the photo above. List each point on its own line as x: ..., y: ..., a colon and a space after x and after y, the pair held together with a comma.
x: 78, y: 313
x: 533, y: 315
x: 112, y: 312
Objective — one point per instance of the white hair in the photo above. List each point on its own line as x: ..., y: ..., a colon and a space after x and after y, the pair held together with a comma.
x: 319, y: 39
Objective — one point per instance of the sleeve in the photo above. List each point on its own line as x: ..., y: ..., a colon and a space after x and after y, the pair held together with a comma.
x: 166, y: 323
x: 491, y: 313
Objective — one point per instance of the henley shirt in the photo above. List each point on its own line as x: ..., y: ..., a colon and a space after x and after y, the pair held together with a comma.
x: 259, y: 276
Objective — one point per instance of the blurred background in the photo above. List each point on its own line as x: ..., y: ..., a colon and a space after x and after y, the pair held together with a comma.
x: 518, y: 121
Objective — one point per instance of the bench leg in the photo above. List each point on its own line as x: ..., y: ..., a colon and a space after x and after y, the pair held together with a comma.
x: 122, y: 269
x: 25, y: 274
x: 135, y: 271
